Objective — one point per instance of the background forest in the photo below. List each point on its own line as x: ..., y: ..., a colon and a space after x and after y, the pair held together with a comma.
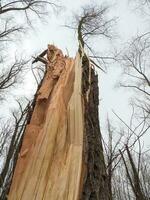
x: 116, y: 37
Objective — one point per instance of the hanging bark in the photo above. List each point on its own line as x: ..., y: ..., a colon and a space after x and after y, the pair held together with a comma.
x: 61, y: 155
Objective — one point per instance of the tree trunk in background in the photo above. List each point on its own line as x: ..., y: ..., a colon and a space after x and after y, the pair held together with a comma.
x: 62, y: 155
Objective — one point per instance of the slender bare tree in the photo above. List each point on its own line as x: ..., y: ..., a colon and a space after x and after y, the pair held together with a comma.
x: 136, y: 76
x: 14, y: 131
x: 93, y: 22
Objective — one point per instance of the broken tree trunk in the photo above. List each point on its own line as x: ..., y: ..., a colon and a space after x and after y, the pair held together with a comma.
x: 61, y: 155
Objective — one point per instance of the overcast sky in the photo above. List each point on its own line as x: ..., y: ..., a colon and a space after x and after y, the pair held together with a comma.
x: 129, y: 23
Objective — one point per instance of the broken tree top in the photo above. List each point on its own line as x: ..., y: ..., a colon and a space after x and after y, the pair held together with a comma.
x: 51, y: 164
x: 50, y: 161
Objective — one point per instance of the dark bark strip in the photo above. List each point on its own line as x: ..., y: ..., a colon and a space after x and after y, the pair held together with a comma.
x: 95, y: 183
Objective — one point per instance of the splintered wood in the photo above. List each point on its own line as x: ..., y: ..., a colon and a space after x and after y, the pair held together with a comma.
x: 50, y: 163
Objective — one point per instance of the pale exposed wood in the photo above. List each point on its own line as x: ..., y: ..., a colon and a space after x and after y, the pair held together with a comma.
x: 50, y: 164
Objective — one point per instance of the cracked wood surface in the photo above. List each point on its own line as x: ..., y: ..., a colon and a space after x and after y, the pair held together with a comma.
x: 50, y: 164
x: 62, y: 155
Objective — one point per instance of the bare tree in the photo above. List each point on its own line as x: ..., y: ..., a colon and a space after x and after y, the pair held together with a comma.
x: 128, y: 180
x: 126, y: 170
x: 6, y: 130
x: 11, y: 28
x: 11, y: 76
x: 136, y: 76
x: 124, y: 160
x: 8, y: 29
x: 26, y: 5
x: 93, y: 21
x: 141, y: 5
x: 136, y: 64
x: 136, y: 168
x: 15, y: 133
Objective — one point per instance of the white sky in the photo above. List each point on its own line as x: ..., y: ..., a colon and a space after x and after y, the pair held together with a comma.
x: 129, y: 24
